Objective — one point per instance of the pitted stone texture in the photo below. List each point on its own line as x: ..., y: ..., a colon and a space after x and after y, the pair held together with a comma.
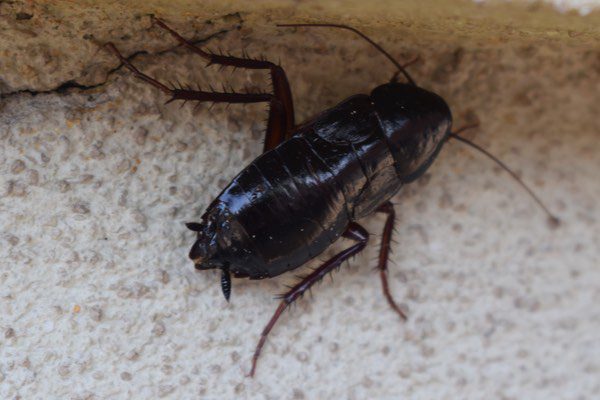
x: 99, y: 300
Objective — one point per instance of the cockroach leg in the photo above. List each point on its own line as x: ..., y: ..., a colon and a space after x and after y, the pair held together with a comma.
x: 136, y: 71
x: 384, y: 252
x: 281, y: 113
x: 193, y: 95
x: 219, y: 97
x: 355, y: 232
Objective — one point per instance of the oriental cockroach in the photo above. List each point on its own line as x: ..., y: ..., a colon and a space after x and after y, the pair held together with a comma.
x: 314, y: 181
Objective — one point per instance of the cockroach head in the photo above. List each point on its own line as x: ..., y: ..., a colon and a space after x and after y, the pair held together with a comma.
x: 416, y: 124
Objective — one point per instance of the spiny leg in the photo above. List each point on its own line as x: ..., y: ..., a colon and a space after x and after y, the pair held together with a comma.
x: 384, y: 252
x: 355, y: 232
x: 281, y: 112
x: 136, y: 72
x: 193, y: 95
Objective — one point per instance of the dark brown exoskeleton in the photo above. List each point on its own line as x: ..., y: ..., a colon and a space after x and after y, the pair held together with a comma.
x: 314, y: 181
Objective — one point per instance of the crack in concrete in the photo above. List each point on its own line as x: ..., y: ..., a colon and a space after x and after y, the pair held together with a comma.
x: 72, y: 84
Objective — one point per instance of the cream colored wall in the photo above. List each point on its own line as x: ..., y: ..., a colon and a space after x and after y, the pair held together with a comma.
x: 99, y: 300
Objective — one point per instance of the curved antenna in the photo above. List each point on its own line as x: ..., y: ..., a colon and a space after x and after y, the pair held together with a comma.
x: 359, y: 33
x: 553, y: 220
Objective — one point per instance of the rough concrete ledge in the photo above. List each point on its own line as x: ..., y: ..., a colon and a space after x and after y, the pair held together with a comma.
x: 97, y: 175
x: 48, y: 44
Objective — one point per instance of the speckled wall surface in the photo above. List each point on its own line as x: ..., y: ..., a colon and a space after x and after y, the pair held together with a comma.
x: 99, y: 301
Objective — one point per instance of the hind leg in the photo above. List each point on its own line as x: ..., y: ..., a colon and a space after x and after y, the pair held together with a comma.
x: 354, y: 232
x: 384, y: 252
x: 193, y: 95
x: 281, y: 110
x: 281, y: 113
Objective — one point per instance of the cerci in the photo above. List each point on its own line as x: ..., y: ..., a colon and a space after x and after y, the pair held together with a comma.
x: 314, y: 180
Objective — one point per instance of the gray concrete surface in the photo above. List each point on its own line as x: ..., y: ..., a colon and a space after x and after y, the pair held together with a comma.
x: 99, y: 301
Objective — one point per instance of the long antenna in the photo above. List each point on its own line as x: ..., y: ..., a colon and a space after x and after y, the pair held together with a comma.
x: 552, y: 219
x: 359, y: 33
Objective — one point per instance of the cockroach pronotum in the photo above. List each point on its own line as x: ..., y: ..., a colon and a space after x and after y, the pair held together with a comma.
x: 314, y: 181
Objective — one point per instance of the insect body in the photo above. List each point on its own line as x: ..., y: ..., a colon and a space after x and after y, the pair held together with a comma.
x: 313, y: 181
x: 295, y: 200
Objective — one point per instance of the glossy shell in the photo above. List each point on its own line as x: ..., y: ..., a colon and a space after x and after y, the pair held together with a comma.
x: 294, y: 201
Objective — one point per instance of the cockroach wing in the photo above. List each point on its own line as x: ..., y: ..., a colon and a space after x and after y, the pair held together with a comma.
x: 351, y: 121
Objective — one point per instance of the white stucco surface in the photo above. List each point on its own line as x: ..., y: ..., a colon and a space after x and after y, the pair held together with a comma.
x: 99, y: 301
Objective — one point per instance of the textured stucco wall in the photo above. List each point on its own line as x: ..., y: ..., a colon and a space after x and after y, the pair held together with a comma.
x: 97, y: 176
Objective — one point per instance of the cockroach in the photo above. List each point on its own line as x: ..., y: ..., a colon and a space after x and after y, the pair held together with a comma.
x: 314, y: 181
